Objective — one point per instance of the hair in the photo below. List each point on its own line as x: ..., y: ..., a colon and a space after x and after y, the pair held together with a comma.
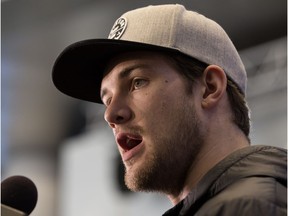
x: 192, y: 69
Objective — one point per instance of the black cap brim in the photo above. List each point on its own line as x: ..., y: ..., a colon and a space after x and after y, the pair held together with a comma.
x: 78, y: 71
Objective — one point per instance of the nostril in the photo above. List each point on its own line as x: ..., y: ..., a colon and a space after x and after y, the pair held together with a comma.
x: 119, y: 119
x: 113, y: 120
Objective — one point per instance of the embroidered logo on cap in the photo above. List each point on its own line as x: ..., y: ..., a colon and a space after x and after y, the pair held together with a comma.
x: 118, y: 28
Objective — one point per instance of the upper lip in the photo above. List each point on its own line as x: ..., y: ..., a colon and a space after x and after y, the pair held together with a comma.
x: 127, y: 141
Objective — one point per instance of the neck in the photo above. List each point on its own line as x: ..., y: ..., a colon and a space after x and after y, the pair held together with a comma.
x: 214, y: 149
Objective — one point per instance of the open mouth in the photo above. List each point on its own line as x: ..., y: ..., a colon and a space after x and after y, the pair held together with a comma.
x: 128, y: 141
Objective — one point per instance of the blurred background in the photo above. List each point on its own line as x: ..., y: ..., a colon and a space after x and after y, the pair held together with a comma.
x: 63, y: 144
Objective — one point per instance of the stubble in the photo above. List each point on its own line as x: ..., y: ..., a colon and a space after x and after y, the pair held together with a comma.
x: 175, y: 149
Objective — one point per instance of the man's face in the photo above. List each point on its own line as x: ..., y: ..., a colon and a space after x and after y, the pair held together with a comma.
x: 153, y: 119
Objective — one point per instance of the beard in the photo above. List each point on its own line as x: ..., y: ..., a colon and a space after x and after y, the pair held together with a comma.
x: 175, y: 148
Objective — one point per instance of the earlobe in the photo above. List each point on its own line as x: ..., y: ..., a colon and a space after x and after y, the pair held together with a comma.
x: 215, y: 82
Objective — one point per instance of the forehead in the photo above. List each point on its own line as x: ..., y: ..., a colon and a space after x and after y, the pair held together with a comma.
x: 135, y: 58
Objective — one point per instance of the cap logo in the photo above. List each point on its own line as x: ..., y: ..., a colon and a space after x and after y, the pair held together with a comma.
x: 118, y: 28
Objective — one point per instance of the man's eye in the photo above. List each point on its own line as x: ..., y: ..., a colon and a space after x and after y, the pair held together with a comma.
x: 107, y: 102
x: 138, y: 83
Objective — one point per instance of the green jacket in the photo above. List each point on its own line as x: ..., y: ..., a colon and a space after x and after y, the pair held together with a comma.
x: 249, y: 182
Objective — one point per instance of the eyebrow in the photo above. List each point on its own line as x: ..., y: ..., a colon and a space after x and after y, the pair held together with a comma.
x: 123, y: 74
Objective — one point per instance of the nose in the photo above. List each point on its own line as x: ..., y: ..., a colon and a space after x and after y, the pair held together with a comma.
x: 118, y: 112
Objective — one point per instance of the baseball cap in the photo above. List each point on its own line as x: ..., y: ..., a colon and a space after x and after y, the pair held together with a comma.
x: 78, y: 70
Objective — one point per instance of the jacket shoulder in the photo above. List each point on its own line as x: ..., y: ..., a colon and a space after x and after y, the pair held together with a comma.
x: 248, y: 196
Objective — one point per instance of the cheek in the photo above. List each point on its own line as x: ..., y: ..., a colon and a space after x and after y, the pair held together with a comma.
x: 157, y: 105
x: 150, y: 109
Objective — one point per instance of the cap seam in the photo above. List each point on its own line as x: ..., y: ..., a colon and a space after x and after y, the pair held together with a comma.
x: 173, y: 30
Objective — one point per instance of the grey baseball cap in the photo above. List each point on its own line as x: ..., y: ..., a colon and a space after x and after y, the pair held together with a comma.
x: 78, y: 70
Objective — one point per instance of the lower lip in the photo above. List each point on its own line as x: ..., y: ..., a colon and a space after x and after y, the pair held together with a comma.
x: 126, y: 156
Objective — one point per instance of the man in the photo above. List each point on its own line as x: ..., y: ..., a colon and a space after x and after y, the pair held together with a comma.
x: 174, y: 89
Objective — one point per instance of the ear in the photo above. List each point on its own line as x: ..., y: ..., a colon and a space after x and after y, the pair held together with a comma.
x: 215, y: 82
